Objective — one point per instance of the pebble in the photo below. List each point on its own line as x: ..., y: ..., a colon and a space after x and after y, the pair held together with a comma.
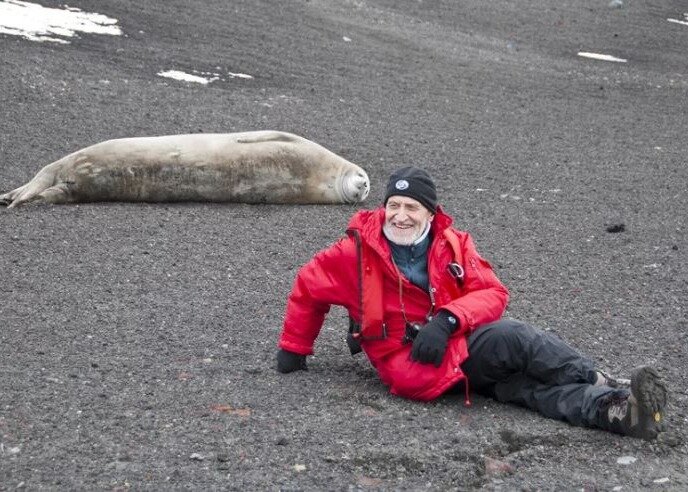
x: 662, y: 480
x: 495, y: 467
x: 197, y: 457
x: 299, y: 468
x: 590, y: 487
x: 614, y: 228
x: 626, y: 460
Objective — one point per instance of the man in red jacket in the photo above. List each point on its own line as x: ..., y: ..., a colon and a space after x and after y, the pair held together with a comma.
x: 426, y: 309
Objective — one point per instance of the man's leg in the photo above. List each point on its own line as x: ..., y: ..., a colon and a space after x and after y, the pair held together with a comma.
x: 509, y: 347
x: 516, y: 363
x: 576, y: 403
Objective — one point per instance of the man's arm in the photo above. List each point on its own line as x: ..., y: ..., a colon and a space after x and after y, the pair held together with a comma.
x: 330, y: 277
x: 484, y: 297
x: 482, y: 300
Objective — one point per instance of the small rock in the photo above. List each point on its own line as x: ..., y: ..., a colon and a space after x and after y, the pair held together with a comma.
x: 496, y: 467
x: 662, y: 480
x: 184, y: 376
x: 590, y: 486
x: 196, y: 457
x: 626, y: 460
x: 223, y: 457
x: 369, y: 482
x: 299, y: 468
x: 282, y: 441
x: 616, y: 4
x: 614, y: 228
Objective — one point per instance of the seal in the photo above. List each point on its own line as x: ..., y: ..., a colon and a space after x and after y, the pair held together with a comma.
x: 247, y: 167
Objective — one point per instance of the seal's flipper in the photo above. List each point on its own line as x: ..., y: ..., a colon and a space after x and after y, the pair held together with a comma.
x: 269, y: 137
x: 31, y: 191
x: 7, y: 198
x: 55, y: 194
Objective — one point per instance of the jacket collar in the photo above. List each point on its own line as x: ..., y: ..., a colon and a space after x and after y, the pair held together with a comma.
x: 369, y: 224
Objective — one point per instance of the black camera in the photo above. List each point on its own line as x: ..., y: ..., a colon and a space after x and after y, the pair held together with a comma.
x: 411, y: 331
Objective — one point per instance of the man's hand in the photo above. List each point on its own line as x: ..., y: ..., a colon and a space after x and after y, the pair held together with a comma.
x: 431, y: 342
x: 290, y: 362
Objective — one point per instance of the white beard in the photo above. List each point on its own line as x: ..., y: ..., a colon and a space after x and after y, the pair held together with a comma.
x: 405, y: 237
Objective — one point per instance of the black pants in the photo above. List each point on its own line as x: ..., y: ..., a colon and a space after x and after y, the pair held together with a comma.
x: 516, y: 363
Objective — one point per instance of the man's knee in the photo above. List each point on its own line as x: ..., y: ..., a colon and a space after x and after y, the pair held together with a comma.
x: 503, y: 331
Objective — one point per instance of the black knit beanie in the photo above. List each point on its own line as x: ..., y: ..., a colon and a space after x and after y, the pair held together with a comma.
x: 414, y: 183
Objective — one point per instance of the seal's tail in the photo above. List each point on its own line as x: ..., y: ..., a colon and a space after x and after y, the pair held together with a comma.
x: 38, y: 188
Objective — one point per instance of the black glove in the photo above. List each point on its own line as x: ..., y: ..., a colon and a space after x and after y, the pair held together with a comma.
x: 431, y: 341
x: 290, y: 362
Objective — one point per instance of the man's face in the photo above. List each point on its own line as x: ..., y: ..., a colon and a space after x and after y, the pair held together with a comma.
x: 405, y: 219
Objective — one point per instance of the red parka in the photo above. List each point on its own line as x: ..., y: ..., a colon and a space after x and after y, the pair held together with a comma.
x: 370, y: 290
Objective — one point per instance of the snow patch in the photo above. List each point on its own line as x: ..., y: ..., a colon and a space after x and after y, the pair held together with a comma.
x: 185, y: 77
x: 37, y: 23
x: 239, y: 75
x: 204, y: 78
x: 599, y: 56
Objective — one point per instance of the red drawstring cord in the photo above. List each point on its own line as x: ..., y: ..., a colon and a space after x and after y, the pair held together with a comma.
x: 467, y: 401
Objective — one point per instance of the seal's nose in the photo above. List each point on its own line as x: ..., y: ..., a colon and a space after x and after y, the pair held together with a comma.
x: 356, y: 186
x: 363, y: 186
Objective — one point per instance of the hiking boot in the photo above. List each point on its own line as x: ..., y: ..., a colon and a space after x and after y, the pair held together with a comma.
x: 604, y: 379
x: 639, y: 413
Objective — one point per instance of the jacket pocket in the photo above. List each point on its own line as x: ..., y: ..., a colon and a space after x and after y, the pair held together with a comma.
x: 477, y: 266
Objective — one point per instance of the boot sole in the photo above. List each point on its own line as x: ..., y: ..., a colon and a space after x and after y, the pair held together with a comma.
x: 650, y: 392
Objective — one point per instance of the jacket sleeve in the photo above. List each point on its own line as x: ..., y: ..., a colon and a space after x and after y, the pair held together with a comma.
x: 330, y: 277
x: 483, y: 297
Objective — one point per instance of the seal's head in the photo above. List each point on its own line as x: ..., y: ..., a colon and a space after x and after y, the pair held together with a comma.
x: 355, y: 186
x: 410, y: 205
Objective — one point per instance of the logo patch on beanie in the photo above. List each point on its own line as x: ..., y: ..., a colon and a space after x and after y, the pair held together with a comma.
x: 402, y: 184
